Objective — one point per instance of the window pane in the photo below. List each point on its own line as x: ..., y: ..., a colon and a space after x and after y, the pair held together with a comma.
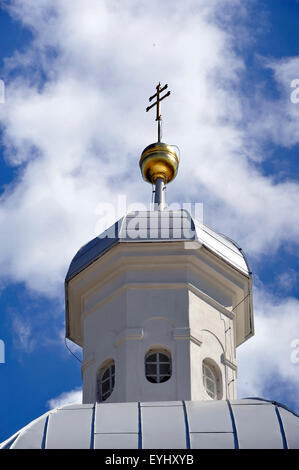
x: 105, y: 382
x: 210, y: 385
x: 209, y: 380
x: 208, y: 372
x: 105, y: 396
x: 105, y: 386
x: 165, y: 369
x: 163, y: 358
x: 152, y: 358
x: 164, y: 378
x: 157, y: 367
x: 151, y: 369
x: 152, y: 379
x: 105, y: 375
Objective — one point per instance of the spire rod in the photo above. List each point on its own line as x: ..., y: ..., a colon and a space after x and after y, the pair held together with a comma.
x: 159, y: 162
x: 158, y: 109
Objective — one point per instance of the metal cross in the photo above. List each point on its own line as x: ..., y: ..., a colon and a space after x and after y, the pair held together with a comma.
x: 157, y: 103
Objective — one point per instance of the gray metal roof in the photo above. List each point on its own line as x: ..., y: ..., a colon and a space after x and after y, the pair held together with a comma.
x: 153, y: 226
x: 243, y: 424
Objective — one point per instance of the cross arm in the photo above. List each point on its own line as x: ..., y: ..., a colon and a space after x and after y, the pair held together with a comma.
x: 158, y: 92
x: 158, y: 101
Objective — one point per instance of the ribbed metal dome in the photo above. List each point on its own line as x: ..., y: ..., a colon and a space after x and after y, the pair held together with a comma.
x: 238, y: 424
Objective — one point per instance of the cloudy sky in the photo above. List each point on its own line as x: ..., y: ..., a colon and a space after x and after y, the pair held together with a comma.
x: 77, y: 76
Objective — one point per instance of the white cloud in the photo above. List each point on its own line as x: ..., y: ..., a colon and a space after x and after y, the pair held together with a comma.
x: 79, y: 134
x: 66, y: 398
x: 287, y: 280
x: 265, y: 360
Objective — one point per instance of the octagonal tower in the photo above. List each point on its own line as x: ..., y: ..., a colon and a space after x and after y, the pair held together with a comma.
x: 134, y: 292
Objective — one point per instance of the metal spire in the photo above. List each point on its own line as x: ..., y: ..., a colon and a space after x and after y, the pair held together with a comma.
x: 159, y: 162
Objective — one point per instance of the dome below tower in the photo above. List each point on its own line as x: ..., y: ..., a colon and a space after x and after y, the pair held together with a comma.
x: 234, y: 424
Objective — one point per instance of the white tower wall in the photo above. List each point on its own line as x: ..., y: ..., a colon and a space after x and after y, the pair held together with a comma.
x: 167, y: 296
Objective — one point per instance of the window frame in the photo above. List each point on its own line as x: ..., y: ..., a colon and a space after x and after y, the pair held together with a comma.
x: 210, y: 377
x: 110, y: 379
x: 159, y: 375
x: 216, y: 371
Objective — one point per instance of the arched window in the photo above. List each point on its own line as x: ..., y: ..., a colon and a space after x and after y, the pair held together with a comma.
x: 158, y: 366
x: 106, y: 380
x: 209, y: 381
x: 212, y: 379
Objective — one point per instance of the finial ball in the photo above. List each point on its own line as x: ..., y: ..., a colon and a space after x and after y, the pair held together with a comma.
x: 159, y: 160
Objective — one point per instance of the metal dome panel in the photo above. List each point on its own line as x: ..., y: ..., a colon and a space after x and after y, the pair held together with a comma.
x: 268, y: 435
x: 244, y: 424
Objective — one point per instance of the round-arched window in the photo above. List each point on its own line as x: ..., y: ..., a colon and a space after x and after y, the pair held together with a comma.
x: 212, y: 379
x: 106, y: 381
x: 209, y: 381
x: 158, y: 366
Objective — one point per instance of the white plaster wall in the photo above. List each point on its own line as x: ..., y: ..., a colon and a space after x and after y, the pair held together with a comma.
x: 135, y: 303
x: 151, y: 315
x: 215, y: 331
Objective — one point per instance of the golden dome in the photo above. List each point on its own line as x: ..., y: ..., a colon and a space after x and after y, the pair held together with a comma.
x: 159, y: 160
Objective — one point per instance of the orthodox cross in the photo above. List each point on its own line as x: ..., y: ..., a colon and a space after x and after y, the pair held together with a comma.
x: 157, y: 103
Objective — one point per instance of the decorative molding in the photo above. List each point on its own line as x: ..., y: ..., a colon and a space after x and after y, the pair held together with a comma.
x: 229, y: 363
x: 160, y: 285
x: 185, y: 333
x: 88, y: 362
x: 181, y: 333
x: 195, y: 340
x: 210, y: 300
x: 129, y: 334
x: 173, y: 255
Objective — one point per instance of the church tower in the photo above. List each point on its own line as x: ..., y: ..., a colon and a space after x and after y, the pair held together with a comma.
x: 159, y: 302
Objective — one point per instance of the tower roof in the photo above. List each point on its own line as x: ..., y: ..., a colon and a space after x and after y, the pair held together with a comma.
x: 152, y: 227
x: 156, y: 226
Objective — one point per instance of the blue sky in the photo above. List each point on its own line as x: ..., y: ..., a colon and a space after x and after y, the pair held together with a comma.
x: 71, y: 138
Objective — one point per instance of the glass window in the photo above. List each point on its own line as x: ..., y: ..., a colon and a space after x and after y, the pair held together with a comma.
x: 158, y: 366
x: 209, y: 380
x: 106, y: 381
